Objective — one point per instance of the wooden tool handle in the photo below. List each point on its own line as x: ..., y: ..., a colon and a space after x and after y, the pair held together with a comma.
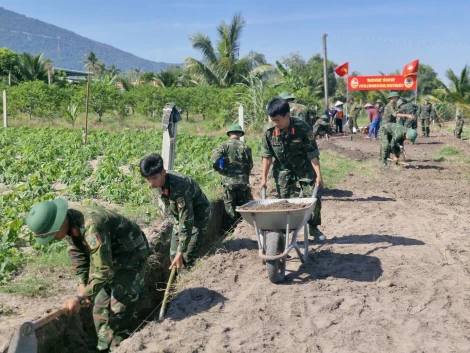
x: 49, y: 317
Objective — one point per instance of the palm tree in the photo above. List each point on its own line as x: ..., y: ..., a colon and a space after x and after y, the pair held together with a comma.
x: 32, y: 67
x: 221, y: 65
x: 91, y: 60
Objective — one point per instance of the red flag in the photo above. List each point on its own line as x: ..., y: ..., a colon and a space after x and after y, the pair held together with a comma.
x: 411, y: 69
x: 342, y: 70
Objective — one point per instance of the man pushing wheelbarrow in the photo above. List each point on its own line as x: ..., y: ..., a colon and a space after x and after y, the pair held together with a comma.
x: 291, y: 143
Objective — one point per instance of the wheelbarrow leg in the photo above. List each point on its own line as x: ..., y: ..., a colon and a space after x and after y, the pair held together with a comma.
x: 305, y: 243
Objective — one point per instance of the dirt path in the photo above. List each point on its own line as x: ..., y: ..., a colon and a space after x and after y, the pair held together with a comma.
x: 392, y: 277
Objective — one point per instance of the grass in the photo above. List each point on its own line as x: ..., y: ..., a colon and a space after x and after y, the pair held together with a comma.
x: 335, y: 168
x: 29, y: 286
x: 451, y: 154
x: 5, y: 310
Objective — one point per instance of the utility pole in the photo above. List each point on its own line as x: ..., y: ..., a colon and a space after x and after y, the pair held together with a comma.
x: 85, y: 131
x: 5, y: 117
x: 325, y: 73
x: 241, y: 121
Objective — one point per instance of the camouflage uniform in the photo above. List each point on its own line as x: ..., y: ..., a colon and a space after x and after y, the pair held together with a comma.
x: 238, y: 163
x: 390, y: 113
x: 409, y: 108
x: 109, y: 254
x: 381, y: 109
x: 321, y: 128
x: 458, y: 127
x: 424, y: 113
x: 353, y: 113
x: 188, y: 205
x: 391, y: 136
x: 292, y: 153
x: 302, y: 112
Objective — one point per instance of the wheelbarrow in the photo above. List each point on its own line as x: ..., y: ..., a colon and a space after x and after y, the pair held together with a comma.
x: 273, y: 229
x: 24, y: 340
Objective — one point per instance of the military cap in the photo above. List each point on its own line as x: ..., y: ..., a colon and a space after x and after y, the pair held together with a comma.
x: 46, y: 218
x: 235, y: 128
x: 350, y: 99
x: 427, y: 98
x: 400, y: 102
x: 459, y: 113
x: 324, y: 117
x: 286, y: 95
x: 393, y: 95
x: 411, y: 134
x: 379, y: 101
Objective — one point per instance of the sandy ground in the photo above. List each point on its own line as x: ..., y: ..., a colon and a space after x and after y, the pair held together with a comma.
x: 393, y: 275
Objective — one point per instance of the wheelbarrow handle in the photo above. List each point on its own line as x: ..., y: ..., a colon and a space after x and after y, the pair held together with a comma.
x: 315, y: 191
x: 263, y: 193
x: 49, y: 317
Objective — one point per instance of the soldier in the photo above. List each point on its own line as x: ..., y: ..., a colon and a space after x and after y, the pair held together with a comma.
x: 233, y: 160
x: 392, y: 137
x: 188, y: 205
x: 322, y: 127
x: 291, y: 143
x: 380, y: 106
x: 109, y: 254
x: 353, y: 113
x: 435, y: 115
x: 424, y: 113
x: 391, y: 112
x: 297, y: 110
x: 458, y: 125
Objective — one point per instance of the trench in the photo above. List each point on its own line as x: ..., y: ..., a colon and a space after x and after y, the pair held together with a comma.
x: 76, y: 334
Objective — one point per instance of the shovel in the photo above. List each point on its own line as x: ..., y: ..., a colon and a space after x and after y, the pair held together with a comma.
x: 24, y: 340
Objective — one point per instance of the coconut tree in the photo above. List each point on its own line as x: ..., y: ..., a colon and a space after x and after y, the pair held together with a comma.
x: 221, y: 64
x: 32, y: 67
x: 91, y: 61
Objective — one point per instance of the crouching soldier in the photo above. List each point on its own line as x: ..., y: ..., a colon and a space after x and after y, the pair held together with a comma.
x: 109, y: 254
x: 233, y: 160
x: 392, y: 138
x: 322, y: 126
x: 188, y: 205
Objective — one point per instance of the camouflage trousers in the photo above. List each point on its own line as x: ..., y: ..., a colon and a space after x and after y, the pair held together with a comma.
x: 458, y: 133
x: 425, y: 126
x: 286, y: 182
x: 198, y: 231
x: 235, y: 195
x: 115, y: 305
x: 411, y: 123
x: 385, y: 148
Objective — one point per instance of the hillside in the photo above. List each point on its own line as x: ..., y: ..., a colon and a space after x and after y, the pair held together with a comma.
x: 67, y: 49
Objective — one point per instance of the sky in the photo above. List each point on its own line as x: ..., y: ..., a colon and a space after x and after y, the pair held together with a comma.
x: 372, y: 36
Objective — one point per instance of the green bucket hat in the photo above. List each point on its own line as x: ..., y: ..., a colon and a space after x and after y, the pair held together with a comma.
x: 286, y: 95
x: 459, y: 114
x: 400, y: 102
x: 427, y: 98
x: 393, y: 95
x: 235, y: 128
x: 411, y: 135
x: 46, y: 218
x: 379, y: 101
x: 325, y: 117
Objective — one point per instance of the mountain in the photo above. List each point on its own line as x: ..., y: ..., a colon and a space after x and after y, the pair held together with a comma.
x: 65, y: 48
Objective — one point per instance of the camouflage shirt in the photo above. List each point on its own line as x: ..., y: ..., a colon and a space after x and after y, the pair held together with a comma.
x: 186, y: 202
x: 390, y: 113
x: 100, y: 242
x: 410, y: 108
x: 321, y: 128
x: 396, y: 134
x: 381, y: 109
x: 424, y: 111
x: 459, y: 123
x: 238, y: 161
x: 353, y: 109
x: 291, y: 150
x: 302, y: 112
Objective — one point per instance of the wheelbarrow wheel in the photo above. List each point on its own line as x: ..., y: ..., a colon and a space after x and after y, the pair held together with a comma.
x: 276, y: 268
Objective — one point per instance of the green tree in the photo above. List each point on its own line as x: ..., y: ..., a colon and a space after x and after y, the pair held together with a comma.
x: 427, y: 80
x: 8, y: 64
x: 103, y: 98
x: 32, y: 67
x: 315, y: 64
x: 29, y: 98
x: 221, y: 65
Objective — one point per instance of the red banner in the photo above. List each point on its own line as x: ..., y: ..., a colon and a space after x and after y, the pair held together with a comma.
x: 382, y: 83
